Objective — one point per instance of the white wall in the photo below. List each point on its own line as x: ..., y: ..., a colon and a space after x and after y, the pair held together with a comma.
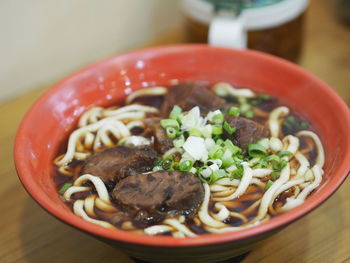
x: 43, y: 40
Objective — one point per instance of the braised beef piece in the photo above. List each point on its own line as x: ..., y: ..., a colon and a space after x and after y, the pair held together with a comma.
x: 247, y: 131
x: 148, y: 198
x: 189, y: 95
x: 161, y: 141
x: 113, y: 164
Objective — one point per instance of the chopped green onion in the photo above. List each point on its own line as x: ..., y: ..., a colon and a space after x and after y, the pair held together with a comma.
x: 169, y: 123
x: 268, y: 184
x: 261, y: 164
x: 228, y: 128
x: 64, y: 188
x: 304, y: 125
x: 220, y: 142
x: 179, y: 133
x: 234, y: 111
x: 264, y: 96
x: 216, y: 129
x: 121, y: 142
x: 213, y: 150
x: 244, y: 107
x: 185, y: 165
x: 174, y: 166
x: 179, y: 142
x: 233, y: 148
x: 206, y: 131
x: 205, y: 171
x: 273, y: 158
x: 216, y: 150
x: 227, y: 154
x: 264, y: 142
x: 175, y: 113
x: 218, y: 154
x: 171, y: 132
x: 189, y: 120
x: 290, y: 118
x: 227, y: 162
x: 279, y: 166
x: 238, y: 173
x: 256, y: 150
x: 249, y: 114
x: 216, y: 137
x: 218, y: 118
x: 195, y: 132
x: 216, y: 175
x: 158, y: 162
x: 193, y: 170
x: 283, y: 164
x: 167, y: 162
x: 284, y: 153
x: 275, y: 175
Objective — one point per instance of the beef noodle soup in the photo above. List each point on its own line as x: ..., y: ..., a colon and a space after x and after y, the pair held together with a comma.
x: 187, y: 160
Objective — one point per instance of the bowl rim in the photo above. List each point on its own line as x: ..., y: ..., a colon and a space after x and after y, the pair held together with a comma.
x: 206, y: 239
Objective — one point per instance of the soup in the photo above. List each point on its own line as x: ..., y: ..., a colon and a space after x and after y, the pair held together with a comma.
x: 188, y: 160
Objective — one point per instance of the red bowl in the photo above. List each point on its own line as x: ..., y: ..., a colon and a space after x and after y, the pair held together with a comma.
x: 47, y: 124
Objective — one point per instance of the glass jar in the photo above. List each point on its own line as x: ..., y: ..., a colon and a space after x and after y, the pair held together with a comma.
x: 272, y: 26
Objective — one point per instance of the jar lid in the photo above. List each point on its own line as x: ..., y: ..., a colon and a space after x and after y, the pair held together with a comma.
x: 259, y: 14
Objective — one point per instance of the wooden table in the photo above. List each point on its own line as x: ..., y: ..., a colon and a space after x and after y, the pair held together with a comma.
x: 29, y: 234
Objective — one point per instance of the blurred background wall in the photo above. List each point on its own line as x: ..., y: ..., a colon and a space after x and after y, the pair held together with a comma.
x: 43, y: 40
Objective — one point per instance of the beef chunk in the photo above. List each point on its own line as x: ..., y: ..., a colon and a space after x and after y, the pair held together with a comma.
x: 150, y: 197
x: 247, y: 131
x: 161, y: 141
x: 113, y: 164
x: 189, y: 95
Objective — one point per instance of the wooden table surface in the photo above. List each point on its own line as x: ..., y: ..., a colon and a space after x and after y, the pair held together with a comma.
x: 29, y: 234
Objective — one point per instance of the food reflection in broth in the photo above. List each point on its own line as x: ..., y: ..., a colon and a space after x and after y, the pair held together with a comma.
x: 188, y: 160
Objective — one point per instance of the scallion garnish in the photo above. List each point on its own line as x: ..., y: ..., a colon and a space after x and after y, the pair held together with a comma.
x: 275, y: 175
x: 233, y: 148
x: 234, y: 111
x: 238, y: 173
x: 175, y: 113
x: 268, y: 184
x: 171, y: 132
x: 227, y: 162
x: 185, y: 165
x: 195, y: 132
x: 64, y: 188
x: 249, y: 114
x: 303, y: 125
x: 228, y: 128
x: 284, y: 153
x: 216, y: 175
x: 179, y: 142
x: 256, y: 150
x: 218, y: 118
x: 273, y: 158
x: 166, y: 164
x: 216, y: 129
x: 169, y: 123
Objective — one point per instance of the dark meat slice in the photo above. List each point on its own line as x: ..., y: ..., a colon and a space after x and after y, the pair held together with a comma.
x: 189, y: 95
x: 161, y: 141
x: 247, y: 131
x: 113, y: 164
x: 150, y: 197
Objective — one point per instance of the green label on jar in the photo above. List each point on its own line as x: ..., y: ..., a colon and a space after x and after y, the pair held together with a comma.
x: 241, y: 4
